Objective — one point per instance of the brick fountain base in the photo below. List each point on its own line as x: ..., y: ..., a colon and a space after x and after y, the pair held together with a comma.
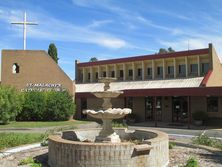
x: 146, y: 148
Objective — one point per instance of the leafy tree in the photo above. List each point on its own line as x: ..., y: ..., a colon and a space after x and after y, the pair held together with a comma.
x: 52, y: 51
x: 163, y: 51
x: 11, y: 102
x: 93, y: 59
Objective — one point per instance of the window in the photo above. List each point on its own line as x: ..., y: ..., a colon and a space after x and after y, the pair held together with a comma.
x: 97, y: 75
x: 129, y: 102
x: 160, y: 71
x: 88, y: 76
x: 15, y: 68
x: 193, y: 68
x: 139, y: 72
x: 205, y: 67
x: 182, y: 70
x: 212, y: 104
x: 170, y: 70
x: 104, y: 73
x: 149, y: 71
x: 113, y: 74
x: 121, y: 73
x: 130, y: 73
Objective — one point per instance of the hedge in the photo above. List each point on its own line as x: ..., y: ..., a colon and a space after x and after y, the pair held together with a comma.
x: 46, y: 106
x: 11, y: 102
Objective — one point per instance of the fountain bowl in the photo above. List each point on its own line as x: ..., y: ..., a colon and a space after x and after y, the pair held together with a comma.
x: 107, y: 94
x: 111, y: 113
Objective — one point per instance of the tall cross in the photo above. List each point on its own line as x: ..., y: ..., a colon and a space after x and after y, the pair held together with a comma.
x: 24, y: 23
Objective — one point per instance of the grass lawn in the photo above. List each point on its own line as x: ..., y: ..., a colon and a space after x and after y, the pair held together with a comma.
x: 8, y: 140
x: 39, y: 124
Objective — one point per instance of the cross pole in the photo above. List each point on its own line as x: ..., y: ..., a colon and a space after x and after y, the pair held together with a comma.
x: 24, y: 23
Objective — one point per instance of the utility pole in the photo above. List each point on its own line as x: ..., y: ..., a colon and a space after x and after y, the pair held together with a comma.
x: 24, y: 23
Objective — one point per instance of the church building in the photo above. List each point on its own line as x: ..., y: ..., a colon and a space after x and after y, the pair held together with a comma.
x: 159, y: 88
x: 33, y: 70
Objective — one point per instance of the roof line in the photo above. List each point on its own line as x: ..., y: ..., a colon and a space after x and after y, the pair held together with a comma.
x: 146, y: 57
x: 206, y: 78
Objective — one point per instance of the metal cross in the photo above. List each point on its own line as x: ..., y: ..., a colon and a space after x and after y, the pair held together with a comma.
x: 24, y: 23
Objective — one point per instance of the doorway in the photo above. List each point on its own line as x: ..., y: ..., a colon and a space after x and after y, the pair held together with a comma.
x: 179, y: 109
x: 149, y: 114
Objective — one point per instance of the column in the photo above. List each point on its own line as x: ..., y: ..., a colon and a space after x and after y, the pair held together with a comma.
x: 164, y: 73
x: 153, y: 70
x: 91, y: 74
x: 189, y: 112
x: 186, y: 63
x: 198, y: 65
x: 83, y: 75
x: 174, y: 68
x: 99, y: 72
x: 134, y: 73
x: 124, y: 71
x: 143, y: 70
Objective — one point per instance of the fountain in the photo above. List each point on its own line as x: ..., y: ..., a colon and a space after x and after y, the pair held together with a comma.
x: 107, y: 146
x: 107, y: 114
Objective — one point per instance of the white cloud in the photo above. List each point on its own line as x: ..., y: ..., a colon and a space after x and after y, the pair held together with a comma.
x: 99, y: 23
x: 57, y: 30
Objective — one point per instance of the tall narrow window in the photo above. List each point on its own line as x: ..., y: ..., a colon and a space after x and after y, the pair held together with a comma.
x: 113, y: 74
x: 130, y: 73
x: 149, y: 73
x: 139, y: 72
x: 160, y: 71
x: 88, y: 76
x: 104, y: 73
x: 212, y: 104
x: 204, y: 68
x: 121, y: 73
x: 182, y: 70
x: 193, y: 68
x: 170, y: 70
x: 97, y: 75
x: 15, y: 68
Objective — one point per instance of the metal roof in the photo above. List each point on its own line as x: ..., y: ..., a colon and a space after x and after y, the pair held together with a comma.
x: 150, y: 84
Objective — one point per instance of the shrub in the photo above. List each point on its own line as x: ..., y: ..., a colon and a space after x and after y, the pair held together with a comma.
x: 34, y: 107
x: 59, y: 106
x: 47, y: 106
x: 171, y: 145
x: 207, y: 141
x: 192, y: 162
x: 10, y: 104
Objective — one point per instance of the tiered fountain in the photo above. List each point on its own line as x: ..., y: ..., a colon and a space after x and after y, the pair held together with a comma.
x: 107, y: 146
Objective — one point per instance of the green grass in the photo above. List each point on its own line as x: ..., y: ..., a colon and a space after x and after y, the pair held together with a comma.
x: 8, y: 140
x: 192, y: 162
x: 39, y: 124
x: 171, y: 145
x: 31, y: 161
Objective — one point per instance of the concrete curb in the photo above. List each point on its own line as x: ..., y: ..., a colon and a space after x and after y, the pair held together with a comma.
x: 13, y: 150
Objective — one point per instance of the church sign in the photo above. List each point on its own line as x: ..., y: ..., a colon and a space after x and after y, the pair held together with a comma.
x: 42, y: 87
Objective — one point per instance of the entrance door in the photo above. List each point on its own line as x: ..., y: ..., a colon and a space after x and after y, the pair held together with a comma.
x: 149, y: 115
x: 179, y: 109
x: 148, y: 108
x: 83, y: 107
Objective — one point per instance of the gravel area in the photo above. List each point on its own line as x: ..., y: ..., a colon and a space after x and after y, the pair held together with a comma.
x: 178, y: 157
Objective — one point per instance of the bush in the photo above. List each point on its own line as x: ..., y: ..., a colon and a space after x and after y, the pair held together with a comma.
x: 10, y: 104
x: 59, y: 106
x: 47, y: 106
x: 192, y: 162
x: 34, y: 107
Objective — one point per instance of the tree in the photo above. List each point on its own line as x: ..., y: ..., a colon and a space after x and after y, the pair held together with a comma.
x: 93, y: 59
x: 52, y: 51
x: 163, y: 51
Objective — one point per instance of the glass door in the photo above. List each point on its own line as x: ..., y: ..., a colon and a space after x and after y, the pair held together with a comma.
x: 179, y: 109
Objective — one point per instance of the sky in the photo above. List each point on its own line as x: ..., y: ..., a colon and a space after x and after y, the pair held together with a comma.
x: 109, y: 29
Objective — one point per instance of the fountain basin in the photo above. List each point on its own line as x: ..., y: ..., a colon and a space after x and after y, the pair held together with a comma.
x: 67, y: 150
x: 107, y: 94
x: 111, y: 113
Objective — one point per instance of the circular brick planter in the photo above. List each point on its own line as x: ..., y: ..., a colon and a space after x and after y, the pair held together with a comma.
x: 152, y: 151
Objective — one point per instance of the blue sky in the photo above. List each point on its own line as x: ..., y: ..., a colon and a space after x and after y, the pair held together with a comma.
x: 106, y: 29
